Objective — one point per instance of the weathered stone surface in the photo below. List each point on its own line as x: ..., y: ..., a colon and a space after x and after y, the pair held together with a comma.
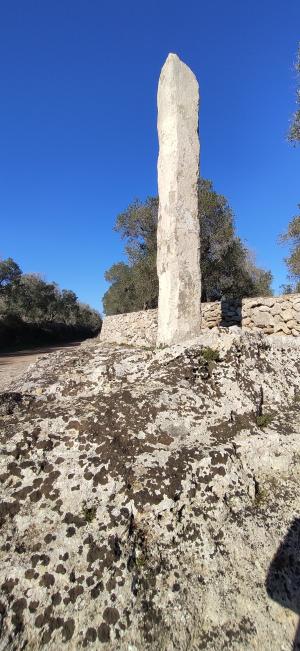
x: 276, y: 309
x: 278, y: 318
x: 178, y: 241
x: 264, y: 308
x: 143, y: 503
x: 292, y: 324
x: 281, y: 328
x: 262, y: 318
x: 288, y: 314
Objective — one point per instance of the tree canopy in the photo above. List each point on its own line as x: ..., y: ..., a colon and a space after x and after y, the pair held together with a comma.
x: 227, y: 266
x: 10, y: 272
x: 292, y: 234
x: 292, y: 238
x: 294, y: 132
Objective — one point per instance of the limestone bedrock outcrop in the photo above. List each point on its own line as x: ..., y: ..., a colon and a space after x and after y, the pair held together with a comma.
x: 149, y: 497
x: 178, y: 242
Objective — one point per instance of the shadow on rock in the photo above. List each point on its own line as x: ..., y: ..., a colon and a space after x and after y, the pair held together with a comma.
x: 283, y: 579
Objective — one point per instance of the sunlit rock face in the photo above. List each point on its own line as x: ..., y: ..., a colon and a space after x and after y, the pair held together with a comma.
x: 148, y: 497
x: 178, y: 243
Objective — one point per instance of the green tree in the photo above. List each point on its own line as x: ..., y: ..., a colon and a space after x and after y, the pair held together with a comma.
x: 68, y: 307
x: 294, y: 132
x: 10, y: 272
x: 228, y: 269
x: 34, y: 300
x: 292, y: 238
x: 88, y: 317
x: 121, y: 296
x: 292, y: 235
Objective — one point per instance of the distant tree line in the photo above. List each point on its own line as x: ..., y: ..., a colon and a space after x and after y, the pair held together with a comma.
x: 227, y: 266
x: 31, y: 308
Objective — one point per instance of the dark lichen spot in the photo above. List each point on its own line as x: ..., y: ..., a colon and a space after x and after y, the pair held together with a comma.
x: 73, y: 594
x: 100, y: 477
x: 95, y: 591
x: 60, y: 569
x: 64, y: 557
x: 68, y: 630
x: 33, y: 606
x: 111, y: 615
x: 90, y: 636
x: 56, y: 599
x: 8, y: 585
x: 47, y: 580
x: 89, y: 513
x: 43, y: 559
x: 103, y: 633
x: 78, y: 521
x: 31, y: 574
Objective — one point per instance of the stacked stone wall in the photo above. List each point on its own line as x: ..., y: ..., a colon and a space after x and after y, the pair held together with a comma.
x: 271, y: 315
x: 221, y: 313
x: 133, y: 328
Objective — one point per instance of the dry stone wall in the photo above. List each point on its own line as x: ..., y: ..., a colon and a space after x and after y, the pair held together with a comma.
x: 133, y: 328
x: 271, y: 315
x: 274, y: 315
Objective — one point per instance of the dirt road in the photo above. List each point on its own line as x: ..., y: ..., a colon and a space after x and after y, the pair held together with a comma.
x: 13, y: 364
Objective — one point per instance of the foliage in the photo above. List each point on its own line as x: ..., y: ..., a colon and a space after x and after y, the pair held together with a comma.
x: 227, y: 266
x: 292, y: 237
x: 10, y: 272
x: 210, y: 354
x: 264, y: 420
x: 29, y: 298
x: 294, y: 132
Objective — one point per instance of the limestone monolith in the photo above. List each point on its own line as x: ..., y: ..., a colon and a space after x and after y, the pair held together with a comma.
x: 178, y: 238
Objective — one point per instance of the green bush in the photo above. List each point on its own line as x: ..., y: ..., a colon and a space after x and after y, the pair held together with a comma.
x: 210, y: 355
x: 264, y: 420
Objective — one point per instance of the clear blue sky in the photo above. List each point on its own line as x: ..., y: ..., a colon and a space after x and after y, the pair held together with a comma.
x: 78, y: 140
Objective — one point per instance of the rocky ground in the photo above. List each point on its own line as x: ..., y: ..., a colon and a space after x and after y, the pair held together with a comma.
x: 150, y: 499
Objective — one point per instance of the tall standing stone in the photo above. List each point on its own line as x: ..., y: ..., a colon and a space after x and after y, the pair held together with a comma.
x: 178, y: 238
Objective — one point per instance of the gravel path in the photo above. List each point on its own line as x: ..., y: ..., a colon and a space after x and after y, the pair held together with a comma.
x: 14, y: 363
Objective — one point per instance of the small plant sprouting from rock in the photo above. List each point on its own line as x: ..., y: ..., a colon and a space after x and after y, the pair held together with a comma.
x: 210, y: 355
x: 89, y: 512
x: 263, y: 420
x: 261, y: 495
